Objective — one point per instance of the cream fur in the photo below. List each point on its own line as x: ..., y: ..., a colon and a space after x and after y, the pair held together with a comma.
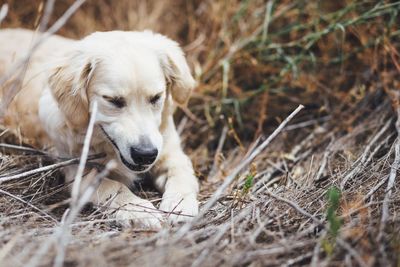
x: 65, y: 77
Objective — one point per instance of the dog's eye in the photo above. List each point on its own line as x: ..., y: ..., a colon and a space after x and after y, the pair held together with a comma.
x: 117, y: 101
x: 154, y: 99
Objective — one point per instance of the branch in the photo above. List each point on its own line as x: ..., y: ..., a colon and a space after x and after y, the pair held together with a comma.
x: 60, y: 236
x: 84, y: 155
x: 395, y: 97
x: 29, y: 204
x: 228, y: 180
x: 296, y: 207
x: 46, y: 168
x: 3, y: 12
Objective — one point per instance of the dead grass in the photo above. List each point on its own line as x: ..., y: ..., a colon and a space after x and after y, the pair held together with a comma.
x: 255, y: 62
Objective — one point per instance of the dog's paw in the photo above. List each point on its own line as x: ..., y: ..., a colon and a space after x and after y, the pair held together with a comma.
x: 180, y: 207
x: 141, y: 215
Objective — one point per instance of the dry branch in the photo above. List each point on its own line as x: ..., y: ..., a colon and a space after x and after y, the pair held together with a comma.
x: 296, y: 207
x: 84, y: 156
x: 29, y: 204
x: 3, y: 12
x: 51, y: 167
x: 245, y: 162
x: 391, y: 181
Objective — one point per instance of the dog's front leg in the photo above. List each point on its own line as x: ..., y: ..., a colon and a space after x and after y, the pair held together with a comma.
x: 128, y: 209
x: 175, y: 178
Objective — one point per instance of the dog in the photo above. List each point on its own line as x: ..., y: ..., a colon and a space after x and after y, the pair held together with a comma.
x: 136, y: 79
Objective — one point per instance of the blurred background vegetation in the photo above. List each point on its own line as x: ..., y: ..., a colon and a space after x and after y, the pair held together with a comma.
x: 255, y: 61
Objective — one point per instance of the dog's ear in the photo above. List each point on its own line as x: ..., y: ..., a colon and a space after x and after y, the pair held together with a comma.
x: 69, y: 84
x: 176, y: 69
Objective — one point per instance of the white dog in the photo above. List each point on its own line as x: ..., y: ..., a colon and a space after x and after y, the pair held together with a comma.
x: 135, y: 78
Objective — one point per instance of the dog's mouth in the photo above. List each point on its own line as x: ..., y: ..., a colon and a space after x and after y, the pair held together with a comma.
x: 133, y: 167
x: 136, y: 168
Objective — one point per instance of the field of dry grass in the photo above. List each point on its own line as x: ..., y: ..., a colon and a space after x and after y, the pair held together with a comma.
x: 324, y: 192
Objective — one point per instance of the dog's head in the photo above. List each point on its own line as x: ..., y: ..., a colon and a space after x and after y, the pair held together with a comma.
x: 134, y: 77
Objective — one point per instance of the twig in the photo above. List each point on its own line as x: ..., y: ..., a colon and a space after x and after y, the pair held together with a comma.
x: 256, y: 189
x: 267, y: 20
x: 45, y: 168
x: 39, y: 170
x: 317, y: 248
x: 277, y: 249
x: 298, y: 259
x: 22, y: 148
x: 352, y: 252
x: 48, y: 10
x: 63, y: 233
x: 29, y: 204
x: 389, y: 188
x: 190, y: 115
x: 84, y: 156
x: 296, y: 207
x: 218, y: 236
x: 3, y: 12
x: 375, y: 188
x: 146, y: 209
x: 7, y: 247
x: 365, y: 157
x: 60, y: 233
x: 324, y: 162
x: 364, y: 207
x: 221, y: 143
x: 182, y: 125
x: 307, y: 123
x: 228, y: 180
x: 76, y: 203
x: 395, y: 99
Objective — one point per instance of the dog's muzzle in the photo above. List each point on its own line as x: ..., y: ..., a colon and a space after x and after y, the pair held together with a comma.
x: 142, y: 156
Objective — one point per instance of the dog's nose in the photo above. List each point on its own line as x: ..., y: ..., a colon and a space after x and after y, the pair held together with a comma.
x: 143, y: 156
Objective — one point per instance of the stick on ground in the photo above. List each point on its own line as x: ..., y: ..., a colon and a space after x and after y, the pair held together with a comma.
x: 228, y: 180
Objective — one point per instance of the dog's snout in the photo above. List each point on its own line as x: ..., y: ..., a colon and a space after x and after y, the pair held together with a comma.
x: 144, y: 155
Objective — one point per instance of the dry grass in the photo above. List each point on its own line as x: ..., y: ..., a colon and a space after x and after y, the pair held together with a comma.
x: 255, y: 62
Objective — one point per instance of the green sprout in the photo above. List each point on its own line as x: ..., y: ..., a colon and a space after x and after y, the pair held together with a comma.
x: 331, y: 214
x: 333, y: 197
x: 248, y: 183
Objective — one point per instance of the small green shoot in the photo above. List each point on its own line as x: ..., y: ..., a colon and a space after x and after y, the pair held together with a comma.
x: 333, y: 198
x: 249, y: 181
x: 333, y: 205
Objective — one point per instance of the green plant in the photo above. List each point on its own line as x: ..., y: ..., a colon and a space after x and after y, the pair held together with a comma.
x: 335, y: 222
x: 248, y: 183
x: 333, y: 198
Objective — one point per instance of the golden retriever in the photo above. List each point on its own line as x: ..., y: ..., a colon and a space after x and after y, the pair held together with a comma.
x: 135, y: 78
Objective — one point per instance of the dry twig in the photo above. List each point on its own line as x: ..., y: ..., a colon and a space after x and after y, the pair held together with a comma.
x: 228, y: 180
